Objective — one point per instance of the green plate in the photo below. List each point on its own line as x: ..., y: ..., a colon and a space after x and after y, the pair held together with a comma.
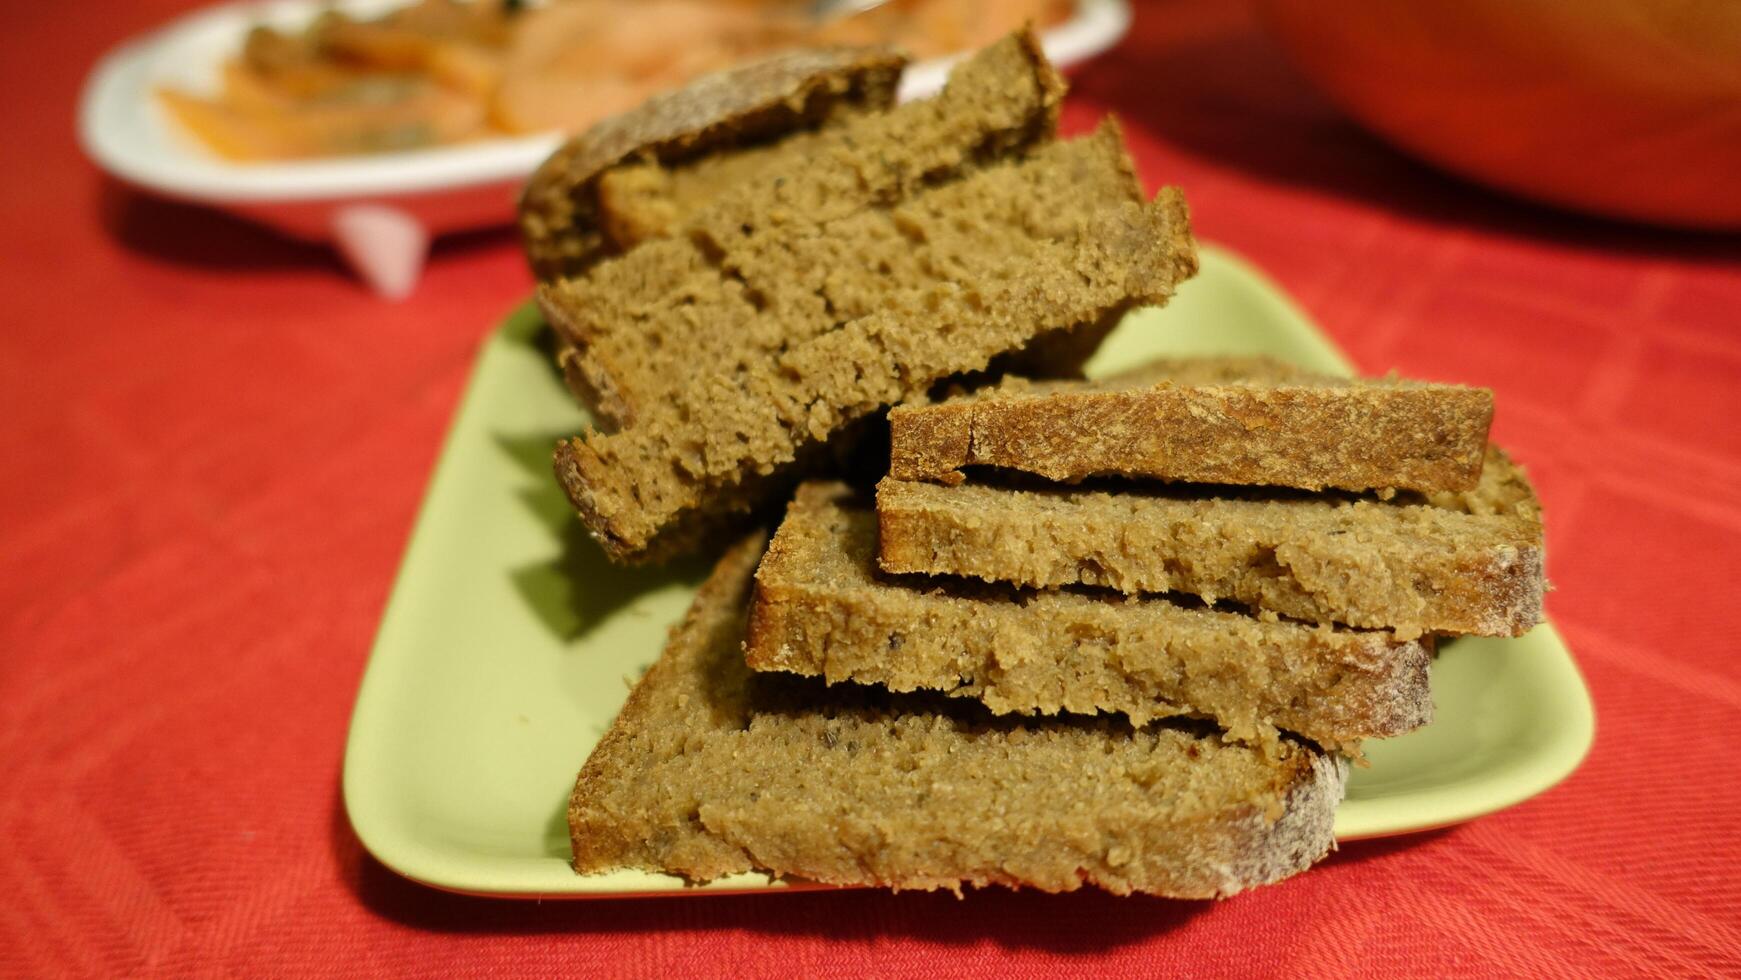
x: 509, y: 642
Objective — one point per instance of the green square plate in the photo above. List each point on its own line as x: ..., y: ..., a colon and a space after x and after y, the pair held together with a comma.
x: 507, y: 643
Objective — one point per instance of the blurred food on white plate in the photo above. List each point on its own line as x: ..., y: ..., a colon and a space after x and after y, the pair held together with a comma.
x: 439, y: 72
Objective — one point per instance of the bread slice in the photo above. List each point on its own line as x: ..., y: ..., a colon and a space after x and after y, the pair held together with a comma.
x: 822, y: 609
x: 645, y: 328
x: 634, y: 176
x: 737, y: 377
x: 760, y: 267
x: 1445, y: 563
x: 1292, y: 429
x: 711, y: 770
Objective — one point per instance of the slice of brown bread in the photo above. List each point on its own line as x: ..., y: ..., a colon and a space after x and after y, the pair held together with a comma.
x: 789, y: 370
x: 711, y: 770
x: 795, y: 251
x: 1298, y: 430
x: 635, y: 175
x: 715, y: 449
x: 646, y: 327
x: 1449, y: 563
x: 821, y: 608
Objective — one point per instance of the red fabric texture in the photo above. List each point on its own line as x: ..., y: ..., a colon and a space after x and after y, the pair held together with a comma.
x: 214, y: 443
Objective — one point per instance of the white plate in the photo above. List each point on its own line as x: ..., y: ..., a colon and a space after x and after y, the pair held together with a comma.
x: 432, y: 191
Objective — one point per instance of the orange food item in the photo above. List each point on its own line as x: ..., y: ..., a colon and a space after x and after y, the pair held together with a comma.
x: 359, y: 113
x: 573, y: 63
x: 445, y: 71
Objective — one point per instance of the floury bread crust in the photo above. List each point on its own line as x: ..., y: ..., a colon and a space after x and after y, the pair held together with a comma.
x: 711, y: 770
x: 632, y: 176
x: 821, y: 609
x: 1298, y: 430
x: 1457, y: 563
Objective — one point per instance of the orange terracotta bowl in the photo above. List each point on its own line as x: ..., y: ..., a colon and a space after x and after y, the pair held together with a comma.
x: 1625, y: 108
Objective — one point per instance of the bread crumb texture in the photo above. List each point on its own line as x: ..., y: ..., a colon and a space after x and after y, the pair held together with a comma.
x: 1464, y: 562
x: 821, y: 608
x: 899, y: 247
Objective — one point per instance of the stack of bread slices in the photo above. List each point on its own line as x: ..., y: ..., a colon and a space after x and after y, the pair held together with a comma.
x: 1127, y: 632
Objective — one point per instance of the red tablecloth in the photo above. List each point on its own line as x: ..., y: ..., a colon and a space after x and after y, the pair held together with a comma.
x: 214, y: 443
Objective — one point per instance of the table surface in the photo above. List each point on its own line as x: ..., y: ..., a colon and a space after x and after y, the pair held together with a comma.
x: 215, y: 442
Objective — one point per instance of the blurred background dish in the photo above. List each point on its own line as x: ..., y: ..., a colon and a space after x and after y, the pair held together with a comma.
x: 437, y: 72
x: 375, y: 125
x: 1624, y: 108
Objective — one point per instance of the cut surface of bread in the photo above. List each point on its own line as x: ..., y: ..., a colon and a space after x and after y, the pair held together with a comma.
x: 1282, y: 427
x: 1456, y: 563
x: 712, y: 450
x: 633, y: 176
x: 822, y: 609
x: 899, y: 248
x: 751, y: 269
x: 645, y: 328
x: 729, y: 381
x: 712, y: 770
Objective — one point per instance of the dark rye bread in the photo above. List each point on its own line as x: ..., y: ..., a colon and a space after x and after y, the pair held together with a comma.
x: 710, y: 770
x: 646, y: 327
x: 1443, y: 563
x: 1454, y: 563
x: 634, y: 175
x: 1296, y: 430
x: 1464, y: 562
x: 822, y: 609
x: 975, y: 269
x: 760, y: 266
x: 714, y: 450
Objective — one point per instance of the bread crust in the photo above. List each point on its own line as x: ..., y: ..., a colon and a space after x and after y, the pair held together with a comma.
x: 1306, y: 431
